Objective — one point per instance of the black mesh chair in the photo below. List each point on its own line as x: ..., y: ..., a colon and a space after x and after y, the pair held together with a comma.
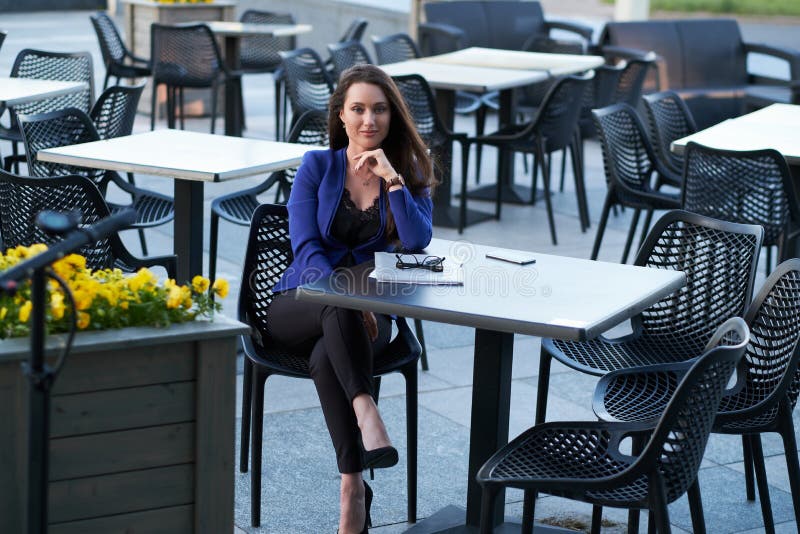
x: 752, y: 187
x: 719, y: 259
x: 355, y: 31
x: 308, y: 83
x: 762, y: 399
x: 269, y: 253
x: 554, y: 128
x: 43, y: 65
x: 119, y: 61
x: 345, y: 55
x: 630, y: 163
x: 238, y: 207
x: 71, y: 126
x: 668, y: 119
x: 259, y: 54
x: 186, y: 56
x: 584, y: 461
x: 22, y: 198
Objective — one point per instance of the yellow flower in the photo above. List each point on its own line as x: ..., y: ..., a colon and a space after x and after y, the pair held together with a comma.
x: 143, y: 278
x: 3, y: 313
x: 221, y: 287
x: 187, y: 297
x: 174, y: 297
x: 200, y: 284
x: 83, y: 320
x: 57, y: 305
x: 25, y: 311
x: 83, y: 298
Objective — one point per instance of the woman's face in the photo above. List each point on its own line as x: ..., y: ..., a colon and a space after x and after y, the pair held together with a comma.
x: 366, y: 115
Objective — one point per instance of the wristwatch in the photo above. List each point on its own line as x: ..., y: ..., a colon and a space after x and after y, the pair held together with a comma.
x: 397, y: 180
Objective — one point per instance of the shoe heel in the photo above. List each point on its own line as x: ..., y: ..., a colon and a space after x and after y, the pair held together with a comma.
x: 368, y: 504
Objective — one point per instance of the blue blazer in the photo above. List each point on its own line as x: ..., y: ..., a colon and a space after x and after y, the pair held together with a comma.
x: 316, y: 194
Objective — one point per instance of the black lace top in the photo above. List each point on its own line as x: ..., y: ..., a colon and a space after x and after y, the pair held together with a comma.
x: 352, y: 226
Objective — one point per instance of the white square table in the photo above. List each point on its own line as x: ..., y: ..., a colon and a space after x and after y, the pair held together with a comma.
x: 191, y: 159
x: 232, y: 34
x: 560, y: 297
x: 15, y: 91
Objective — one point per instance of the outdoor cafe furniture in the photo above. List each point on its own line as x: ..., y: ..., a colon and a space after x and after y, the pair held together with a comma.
x: 588, y: 461
x: 268, y: 254
x: 71, y: 126
x: 668, y: 119
x: 190, y: 159
x: 308, y: 83
x: 38, y: 97
x: 706, y: 62
x: 556, y: 296
x: 761, y: 400
x: 119, y: 61
x: 719, y: 259
x: 345, y: 55
x: 630, y: 162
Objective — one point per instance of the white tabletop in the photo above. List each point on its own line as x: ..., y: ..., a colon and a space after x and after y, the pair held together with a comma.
x: 561, y: 297
x: 776, y: 126
x: 554, y: 64
x: 14, y: 91
x: 182, y: 154
x: 239, y: 29
x: 464, y: 77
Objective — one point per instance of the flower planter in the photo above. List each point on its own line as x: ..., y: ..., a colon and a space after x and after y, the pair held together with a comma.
x: 141, y: 432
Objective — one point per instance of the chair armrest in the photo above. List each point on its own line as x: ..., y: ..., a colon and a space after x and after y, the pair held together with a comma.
x: 614, y: 52
x: 454, y: 36
x: 584, y: 31
x: 137, y: 59
x: 538, y: 43
x: 792, y: 57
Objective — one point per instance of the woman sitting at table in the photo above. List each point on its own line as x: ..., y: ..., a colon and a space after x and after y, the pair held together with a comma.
x: 370, y: 192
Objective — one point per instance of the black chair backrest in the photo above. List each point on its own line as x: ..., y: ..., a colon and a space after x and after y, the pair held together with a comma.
x: 267, y: 256
x: 772, y: 358
x: 184, y: 55
x: 308, y: 84
x: 115, y: 110
x: 598, y: 94
x: 752, y: 187
x: 260, y: 53
x: 631, y: 81
x: 719, y: 260
x: 345, y: 55
x: 559, y: 113
x: 112, y: 47
x: 22, y: 198
x: 65, y: 127
x: 66, y: 67
x: 311, y: 128
x: 678, y: 442
x: 355, y: 31
x: 669, y: 119
x: 395, y: 48
x: 422, y: 105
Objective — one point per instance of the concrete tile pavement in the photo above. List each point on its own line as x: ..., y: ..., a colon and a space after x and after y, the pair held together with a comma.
x: 300, y: 481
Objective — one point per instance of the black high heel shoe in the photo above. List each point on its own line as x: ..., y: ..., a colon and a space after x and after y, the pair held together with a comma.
x: 379, y: 458
x: 367, y: 505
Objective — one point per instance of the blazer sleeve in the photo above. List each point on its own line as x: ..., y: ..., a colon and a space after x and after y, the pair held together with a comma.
x: 413, y: 217
x: 304, y: 231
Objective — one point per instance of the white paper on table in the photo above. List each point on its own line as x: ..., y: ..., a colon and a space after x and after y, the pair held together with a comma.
x: 387, y: 271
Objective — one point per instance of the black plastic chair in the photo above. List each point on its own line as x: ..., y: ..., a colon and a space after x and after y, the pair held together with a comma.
x: 269, y: 253
x: 554, y: 128
x: 345, y: 55
x: 43, y: 65
x: 308, y: 83
x: 355, y: 31
x: 71, y: 126
x: 630, y: 163
x: 762, y: 399
x: 752, y: 187
x: 22, y: 198
x: 186, y: 56
x: 668, y: 119
x: 719, y: 259
x: 238, y: 207
x: 583, y: 460
x: 119, y: 61
x: 259, y: 54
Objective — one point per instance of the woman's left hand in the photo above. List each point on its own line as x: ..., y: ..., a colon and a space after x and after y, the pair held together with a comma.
x: 375, y: 161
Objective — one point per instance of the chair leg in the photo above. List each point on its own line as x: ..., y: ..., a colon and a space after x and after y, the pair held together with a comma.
x: 181, y: 109
x: 170, y: 107
x: 761, y: 480
x: 212, y: 247
x: 105, y: 80
x: 277, y: 109
x: 580, y: 185
x: 696, y: 508
x: 547, y: 201
x: 259, y: 378
x: 154, y: 94
x: 247, y: 390
x: 637, y: 445
x: 648, y: 218
x: 768, y: 266
x: 480, y: 124
x: 462, y: 202
x: 631, y: 232
x: 601, y: 226
x: 786, y: 429
x: 749, y: 478
x: 543, y: 386
x: 563, y: 170
x: 421, y: 338
x: 528, y: 511
x: 487, y: 504
x: 597, y: 519
x: 142, y: 241
x: 660, y: 510
x: 412, y: 414
x: 214, y: 107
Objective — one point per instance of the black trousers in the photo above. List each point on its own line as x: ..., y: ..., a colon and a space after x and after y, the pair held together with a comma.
x: 340, y: 360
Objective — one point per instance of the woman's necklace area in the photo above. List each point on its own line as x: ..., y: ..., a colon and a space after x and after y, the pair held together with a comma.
x: 364, y: 181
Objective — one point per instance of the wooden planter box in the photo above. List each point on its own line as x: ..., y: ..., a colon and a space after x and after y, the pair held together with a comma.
x: 142, y: 431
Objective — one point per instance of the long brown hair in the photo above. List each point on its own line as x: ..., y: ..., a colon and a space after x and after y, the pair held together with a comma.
x: 403, y: 146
